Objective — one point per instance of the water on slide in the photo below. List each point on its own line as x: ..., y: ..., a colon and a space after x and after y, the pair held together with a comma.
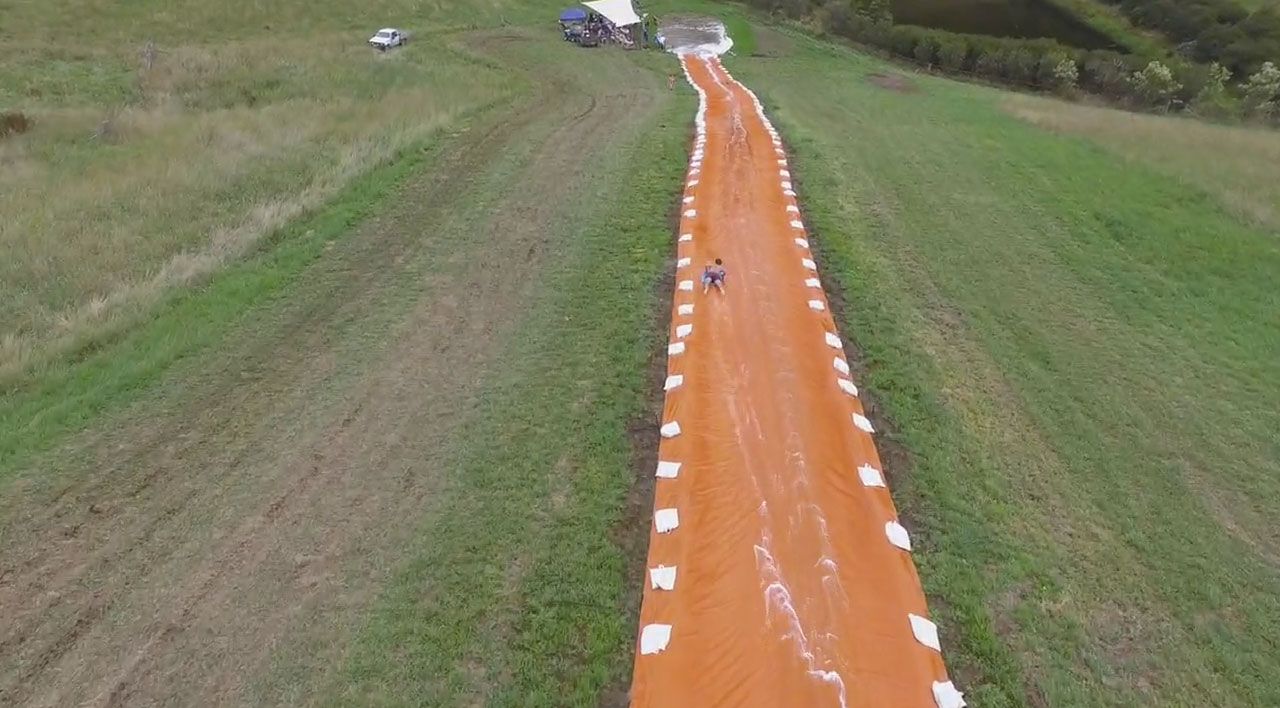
x: 788, y: 588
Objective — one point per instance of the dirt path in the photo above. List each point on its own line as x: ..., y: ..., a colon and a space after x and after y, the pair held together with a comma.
x: 788, y: 588
x: 255, y: 504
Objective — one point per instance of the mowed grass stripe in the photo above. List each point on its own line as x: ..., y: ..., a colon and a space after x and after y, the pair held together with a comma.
x: 514, y: 593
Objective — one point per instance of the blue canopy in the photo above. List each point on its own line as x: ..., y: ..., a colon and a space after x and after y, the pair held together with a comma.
x: 573, y: 14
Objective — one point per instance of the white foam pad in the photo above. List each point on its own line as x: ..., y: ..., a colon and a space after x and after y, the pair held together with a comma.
x: 788, y: 193
x: 670, y: 430
x: 654, y: 638
x: 812, y: 283
x: 870, y: 476
x: 675, y: 348
x: 832, y: 340
x: 685, y: 310
x: 685, y: 238
x: 683, y: 262
x: 897, y: 535
x: 840, y: 365
x: 786, y: 185
x: 863, y: 424
x: 797, y: 224
x: 688, y: 199
x: 662, y: 578
x: 784, y: 173
x: 808, y: 263
x: 817, y: 305
x: 782, y: 163
x: 793, y: 208
x: 673, y: 381
x: 847, y: 386
x: 802, y: 243
x: 666, y: 520
x: 689, y: 214
x: 684, y: 330
x: 668, y: 470
x: 693, y: 183
x: 686, y: 285
x: 926, y: 632
x: 946, y: 695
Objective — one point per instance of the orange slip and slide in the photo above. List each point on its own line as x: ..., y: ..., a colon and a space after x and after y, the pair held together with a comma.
x: 777, y: 572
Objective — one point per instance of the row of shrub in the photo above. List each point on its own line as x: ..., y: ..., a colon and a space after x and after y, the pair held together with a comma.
x: 1044, y: 64
x: 1212, y: 30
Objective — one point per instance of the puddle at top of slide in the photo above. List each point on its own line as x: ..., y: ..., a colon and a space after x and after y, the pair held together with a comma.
x: 702, y: 36
x: 778, y: 575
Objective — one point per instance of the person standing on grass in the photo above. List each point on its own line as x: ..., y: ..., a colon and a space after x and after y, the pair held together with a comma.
x: 671, y: 82
x: 713, y: 274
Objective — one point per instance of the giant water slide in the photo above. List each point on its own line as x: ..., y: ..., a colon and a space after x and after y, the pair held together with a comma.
x: 778, y: 574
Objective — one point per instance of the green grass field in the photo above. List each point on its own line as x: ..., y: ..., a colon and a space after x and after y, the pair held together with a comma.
x: 1074, y: 335
x: 271, y: 428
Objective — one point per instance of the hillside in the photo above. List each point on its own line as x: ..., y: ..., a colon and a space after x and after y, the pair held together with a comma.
x: 1067, y: 313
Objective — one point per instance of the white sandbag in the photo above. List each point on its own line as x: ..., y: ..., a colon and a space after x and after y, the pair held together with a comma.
x: 662, y: 578
x: 946, y: 695
x: 897, y: 535
x: 666, y: 520
x: 926, y: 632
x: 654, y: 638
x: 870, y: 476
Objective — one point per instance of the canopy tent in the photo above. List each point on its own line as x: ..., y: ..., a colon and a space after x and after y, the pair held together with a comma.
x: 573, y: 14
x: 619, y: 12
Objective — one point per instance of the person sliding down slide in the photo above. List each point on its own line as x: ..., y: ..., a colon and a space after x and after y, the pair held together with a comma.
x: 713, y: 274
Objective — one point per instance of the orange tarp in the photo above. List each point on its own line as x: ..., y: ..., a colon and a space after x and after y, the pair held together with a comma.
x: 787, y: 590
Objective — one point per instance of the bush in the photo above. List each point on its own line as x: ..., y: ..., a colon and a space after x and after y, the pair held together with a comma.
x: 1155, y: 85
x: 1065, y: 75
x: 14, y: 123
x: 902, y: 40
x: 953, y: 54
x: 1213, y: 30
x: 1209, y: 97
x: 1262, y: 91
x: 990, y: 64
x: 1021, y: 65
x: 925, y: 51
x: 1106, y: 73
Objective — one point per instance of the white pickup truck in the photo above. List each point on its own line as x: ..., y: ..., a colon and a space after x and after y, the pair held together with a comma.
x: 387, y: 38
